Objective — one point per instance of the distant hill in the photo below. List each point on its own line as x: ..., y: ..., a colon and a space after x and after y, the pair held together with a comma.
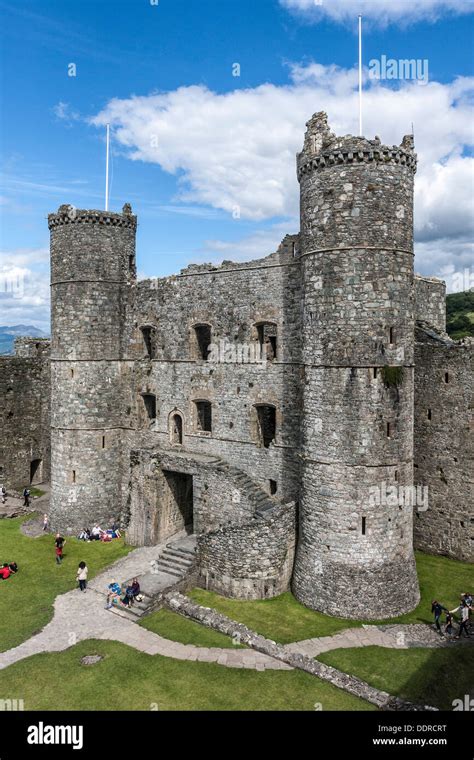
x: 460, y: 314
x: 8, y: 333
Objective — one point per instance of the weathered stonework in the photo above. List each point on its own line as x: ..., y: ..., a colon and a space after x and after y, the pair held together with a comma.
x: 444, y: 446
x: 25, y: 392
x: 151, y: 430
x: 355, y: 558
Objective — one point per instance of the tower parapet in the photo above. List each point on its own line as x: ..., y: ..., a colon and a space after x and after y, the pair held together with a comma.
x: 355, y: 554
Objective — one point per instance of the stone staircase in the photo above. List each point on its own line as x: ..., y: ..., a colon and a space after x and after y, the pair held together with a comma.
x: 174, y: 562
x: 178, y: 558
x: 261, y: 500
x: 135, y: 611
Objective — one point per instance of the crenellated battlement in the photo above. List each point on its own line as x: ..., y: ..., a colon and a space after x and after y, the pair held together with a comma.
x: 324, y: 148
x: 67, y: 214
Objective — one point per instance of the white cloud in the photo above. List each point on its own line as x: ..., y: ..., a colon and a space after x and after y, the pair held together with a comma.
x: 64, y: 112
x: 24, y: 287
x: 236, y: 151
x: 381, y: 12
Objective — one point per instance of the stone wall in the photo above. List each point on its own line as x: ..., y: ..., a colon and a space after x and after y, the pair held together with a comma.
x: 25, y: 414
x: 253, y: 560
x: 232, y: 299
x: 444, y: 444
x: 430, y: 302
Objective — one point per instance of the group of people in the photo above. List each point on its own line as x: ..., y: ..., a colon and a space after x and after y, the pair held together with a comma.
x: 7, y: 569
x: 131, y: 594
x: 464, y: 610
x: 98, y: 534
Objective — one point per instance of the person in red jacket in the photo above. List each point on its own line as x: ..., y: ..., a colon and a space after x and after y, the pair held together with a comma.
x: 4, y: 572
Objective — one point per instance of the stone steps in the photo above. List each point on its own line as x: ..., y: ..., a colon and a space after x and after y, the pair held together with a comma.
x: 177, y: 558
x: 261, y: 500
x: 135, y: 611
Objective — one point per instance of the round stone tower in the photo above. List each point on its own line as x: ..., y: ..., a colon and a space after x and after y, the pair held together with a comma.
x: 92, y: 270
x: 355, y: 553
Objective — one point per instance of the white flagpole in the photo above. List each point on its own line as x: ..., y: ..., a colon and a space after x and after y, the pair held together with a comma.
x: 360, y: 76
x: 107, y: 170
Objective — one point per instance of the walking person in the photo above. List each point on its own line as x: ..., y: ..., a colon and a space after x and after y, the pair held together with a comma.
x: 448, y: 629
x: 81, y: 576
x: 26, y: 497
x: 437, y: 609
x: 59, y: 543
x: 45, y: 522
x: 464, y: 610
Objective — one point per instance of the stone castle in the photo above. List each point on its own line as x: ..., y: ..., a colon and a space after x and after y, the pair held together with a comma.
x: 274, y: 462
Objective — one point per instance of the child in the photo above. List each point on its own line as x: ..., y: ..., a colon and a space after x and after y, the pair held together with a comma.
x: 449, y: 624
x: 81, y: 576
x: 59, y: 543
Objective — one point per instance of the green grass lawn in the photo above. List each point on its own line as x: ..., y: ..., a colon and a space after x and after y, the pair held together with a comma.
x: 426, y: 676
x: 281, y: 619
x: 177, y: 628
x: 284, y: 620
x: 131, y: 680
x: 26, y: 599
x: 36, y: 491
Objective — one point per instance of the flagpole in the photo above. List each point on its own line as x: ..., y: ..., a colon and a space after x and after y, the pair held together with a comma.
x: 107, y: 170
x: 360, y: 76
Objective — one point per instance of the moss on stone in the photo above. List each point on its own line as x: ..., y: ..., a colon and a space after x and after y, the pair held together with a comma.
x: 392, y: 376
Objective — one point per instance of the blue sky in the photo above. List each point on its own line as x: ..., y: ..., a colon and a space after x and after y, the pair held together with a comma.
x: 207, y: 158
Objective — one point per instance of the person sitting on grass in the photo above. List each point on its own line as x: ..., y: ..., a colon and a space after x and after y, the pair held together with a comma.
x: 95, y: 533
x: 84, y: 535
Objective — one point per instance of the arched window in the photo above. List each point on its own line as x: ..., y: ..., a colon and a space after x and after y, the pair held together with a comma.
x: 201, y: 339
x: 176, y: 428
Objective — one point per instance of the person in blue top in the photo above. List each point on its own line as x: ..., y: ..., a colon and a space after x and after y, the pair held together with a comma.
x: 113, y: 593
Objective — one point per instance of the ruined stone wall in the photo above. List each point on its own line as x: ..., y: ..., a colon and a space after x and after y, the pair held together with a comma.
x: 444, y: 444
x: 357, y: 423
x: 25, y: 414
x: 232, y: 299
x: 253, y: 560
x: 430, y: 302
x: 92, y: 269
